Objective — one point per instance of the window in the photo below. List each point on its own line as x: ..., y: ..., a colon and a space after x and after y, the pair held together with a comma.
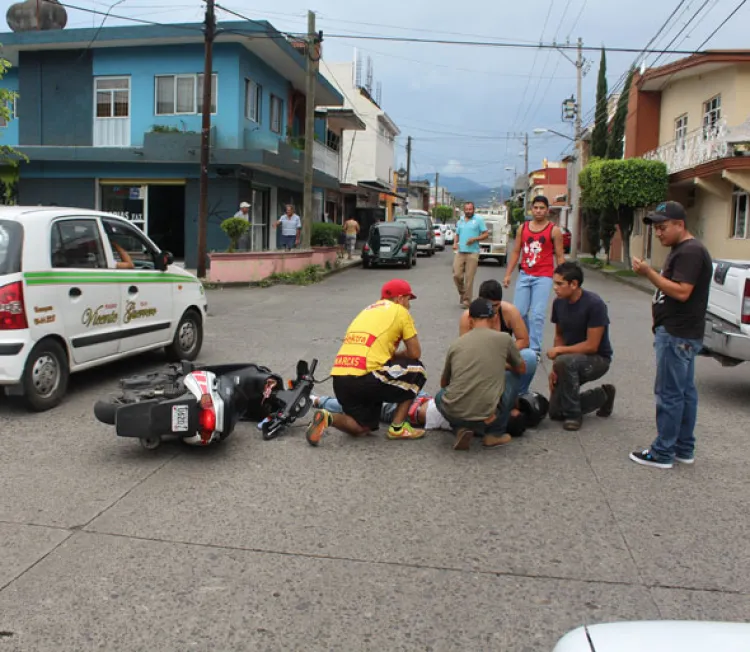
x: 740, y: 203
x: 253, y: 99
x: 711, y: 115
x: 77, y: 244
x: 277, y: 111
x: 112, y: 97
x: 182, y: 94
x: 11, y: 113
x: 130, y: 239
x: 680, y: 131
x: 333, y: 140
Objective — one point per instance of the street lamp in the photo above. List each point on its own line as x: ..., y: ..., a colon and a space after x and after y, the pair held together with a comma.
x: 540, y: 130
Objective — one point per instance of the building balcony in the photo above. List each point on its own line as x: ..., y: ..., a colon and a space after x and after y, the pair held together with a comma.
x: 702, y: 146
x: 326, y: 160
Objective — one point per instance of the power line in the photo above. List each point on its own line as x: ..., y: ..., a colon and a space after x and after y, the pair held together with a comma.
x: 724, y: 22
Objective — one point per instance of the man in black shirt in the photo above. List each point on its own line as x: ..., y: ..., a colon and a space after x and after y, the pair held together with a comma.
x: 679, y: 311
x: 582, y: 352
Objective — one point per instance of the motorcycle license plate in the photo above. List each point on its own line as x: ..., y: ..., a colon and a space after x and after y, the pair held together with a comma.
x: 180, y: 418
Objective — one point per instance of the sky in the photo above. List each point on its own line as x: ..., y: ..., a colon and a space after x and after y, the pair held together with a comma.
x: 467, y: 107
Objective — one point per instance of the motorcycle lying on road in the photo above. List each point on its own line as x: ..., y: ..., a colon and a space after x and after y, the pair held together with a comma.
x: 202, y: 404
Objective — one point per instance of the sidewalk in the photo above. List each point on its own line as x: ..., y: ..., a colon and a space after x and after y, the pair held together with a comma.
x: 620, y: 273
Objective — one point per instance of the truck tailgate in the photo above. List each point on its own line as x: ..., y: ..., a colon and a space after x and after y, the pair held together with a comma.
x: 728, y: 289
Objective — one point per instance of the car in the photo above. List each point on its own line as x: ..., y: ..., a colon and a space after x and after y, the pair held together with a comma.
x: 439, y: 237
x: 421, y: 230
x: 567, y: 236
x: 81, y: 288
x: 389, y: 243
x: 449, y: 233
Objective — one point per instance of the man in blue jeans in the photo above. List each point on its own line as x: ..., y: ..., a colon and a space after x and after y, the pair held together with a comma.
x: 679, y: 310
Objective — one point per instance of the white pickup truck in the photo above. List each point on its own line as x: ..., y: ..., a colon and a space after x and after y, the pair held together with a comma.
x: 496, y: 246
x: 727, y: 333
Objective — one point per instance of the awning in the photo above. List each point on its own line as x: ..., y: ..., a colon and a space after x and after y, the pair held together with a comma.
x: 379, y: 187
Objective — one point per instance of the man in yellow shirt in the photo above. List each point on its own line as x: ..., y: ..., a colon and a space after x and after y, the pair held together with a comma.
x: 369, y: 371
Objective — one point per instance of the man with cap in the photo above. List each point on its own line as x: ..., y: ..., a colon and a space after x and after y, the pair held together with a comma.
x: 474, y: 380
x: 679, y: 310
x: 244, y: 242
x: 369, y: 370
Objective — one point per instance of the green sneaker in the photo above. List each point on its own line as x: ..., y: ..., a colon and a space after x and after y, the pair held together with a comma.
x: 315, y: 431
x: 405, y: 431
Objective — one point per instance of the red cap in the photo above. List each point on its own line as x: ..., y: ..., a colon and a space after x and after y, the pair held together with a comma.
x: 396, y: 287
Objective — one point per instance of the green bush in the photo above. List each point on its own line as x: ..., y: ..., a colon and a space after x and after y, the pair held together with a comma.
x: 307, y: 276
x: 325, y: 234
x: 235, y: 228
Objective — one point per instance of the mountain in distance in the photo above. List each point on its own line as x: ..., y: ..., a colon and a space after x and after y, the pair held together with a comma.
x: 470, y: 190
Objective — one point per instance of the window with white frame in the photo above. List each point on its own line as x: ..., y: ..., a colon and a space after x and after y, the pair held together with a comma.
x: 112, y: 97
x: 182, y: 94
x: 711, y: 114
x: 11, y: 112
x: 277, y: 111
x: 253, y: 100
x: 740, y: 203
x: 680, y: 131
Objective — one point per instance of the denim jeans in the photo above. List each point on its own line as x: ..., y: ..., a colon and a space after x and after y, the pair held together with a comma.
x: 386, y: 412
x: 502, y: 414
x: 529, y: 357
x: 573, y: 370
x: 676, y: 396
x: 531, y: 298
x: 288, y: 241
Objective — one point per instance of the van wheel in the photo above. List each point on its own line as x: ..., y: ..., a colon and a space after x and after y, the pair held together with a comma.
x: 45, y: 377
x: 188, y: 338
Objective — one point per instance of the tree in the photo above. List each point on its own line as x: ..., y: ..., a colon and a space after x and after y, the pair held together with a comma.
x: 8, y: 155
x: 615, y: 144
x: 590, y: 208
x: 443, y: 213
x: 599, y: 135
x: 235, y: 228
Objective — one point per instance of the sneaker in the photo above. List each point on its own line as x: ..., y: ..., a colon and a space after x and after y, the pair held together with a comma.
x: 463, y: 439
x: 320, y: 421
x: 493, y: 441
x: 606, y: 409
x: 684, y: 460
x: 645, y: 458
x: 572, y: 424
x: 405, y: 431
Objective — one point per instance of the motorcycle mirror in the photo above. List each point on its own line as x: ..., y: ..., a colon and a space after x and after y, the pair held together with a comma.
x: 302, y: 368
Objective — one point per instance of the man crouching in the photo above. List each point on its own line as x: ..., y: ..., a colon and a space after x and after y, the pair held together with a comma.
x: 473, y: 380
x: 368, y: 371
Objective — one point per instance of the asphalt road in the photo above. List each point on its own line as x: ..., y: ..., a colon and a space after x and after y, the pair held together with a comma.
x: 368, y: 544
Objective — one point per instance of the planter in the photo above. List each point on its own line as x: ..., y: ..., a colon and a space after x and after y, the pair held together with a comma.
x: 323, y: 255
x: 253, y: 266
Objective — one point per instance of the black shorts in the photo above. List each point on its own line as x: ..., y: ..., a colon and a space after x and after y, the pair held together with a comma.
x: 362, y: 397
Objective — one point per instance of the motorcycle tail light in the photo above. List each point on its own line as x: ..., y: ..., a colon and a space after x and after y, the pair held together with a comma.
x: 366, y: 248
x: 206, y: 417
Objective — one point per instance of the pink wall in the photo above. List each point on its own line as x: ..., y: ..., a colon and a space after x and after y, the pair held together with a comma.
x: 248, y: 267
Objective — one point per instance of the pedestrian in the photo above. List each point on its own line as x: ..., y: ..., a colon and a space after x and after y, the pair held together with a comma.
x: 679, y: 311
x: 351, y: 231
x: 470, y: 230
x: 582, y: 351
x: 511, y: 322
x: 291, y: 228
x: 369, y: 370
x: 245, y: 241
x: 539, y: 245
x: 472, y: 397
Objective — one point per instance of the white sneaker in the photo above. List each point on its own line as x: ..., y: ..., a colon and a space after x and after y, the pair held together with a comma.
x: 684, y: 460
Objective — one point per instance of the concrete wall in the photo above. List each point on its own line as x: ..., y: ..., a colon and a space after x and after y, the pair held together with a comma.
x: 56, y: 100
x: 80, y: 193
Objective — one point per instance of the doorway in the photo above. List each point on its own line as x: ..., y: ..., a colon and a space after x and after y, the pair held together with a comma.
x: 166, y: 218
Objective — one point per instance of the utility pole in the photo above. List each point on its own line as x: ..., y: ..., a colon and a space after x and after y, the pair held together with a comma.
x: 437, y: 180
x: 313, y: 57
x: 209, y: 31
x: 525, y: 173
x: 408, y: 171
x: 579, y: 153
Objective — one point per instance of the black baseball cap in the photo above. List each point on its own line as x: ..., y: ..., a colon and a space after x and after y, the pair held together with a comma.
x: 481, y: 309
x: 668, y: 210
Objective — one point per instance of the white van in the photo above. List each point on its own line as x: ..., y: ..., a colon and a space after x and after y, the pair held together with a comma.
x: 80, y: 288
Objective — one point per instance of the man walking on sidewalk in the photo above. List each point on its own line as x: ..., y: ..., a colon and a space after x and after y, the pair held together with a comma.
x: 470, y: 230
x: 539, y: 245
x: 679, y: 310
x: 351, y: 231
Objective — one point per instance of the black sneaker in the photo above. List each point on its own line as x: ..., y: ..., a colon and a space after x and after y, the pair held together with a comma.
x: 645, y: 458
x: 606, y: 409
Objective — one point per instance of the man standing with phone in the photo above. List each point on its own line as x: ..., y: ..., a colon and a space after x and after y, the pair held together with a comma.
x: 470, y: 230
x: 679, y: 311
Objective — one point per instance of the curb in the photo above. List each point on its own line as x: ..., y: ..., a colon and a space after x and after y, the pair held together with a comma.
x: 208, y: 285
x: 625, y: 280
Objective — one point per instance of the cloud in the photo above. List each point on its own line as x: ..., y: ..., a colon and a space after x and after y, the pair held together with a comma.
x: 453, y: 167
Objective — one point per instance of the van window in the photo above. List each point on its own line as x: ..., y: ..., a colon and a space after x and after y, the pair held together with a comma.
x: 11, y: 244
x: 77, y: 244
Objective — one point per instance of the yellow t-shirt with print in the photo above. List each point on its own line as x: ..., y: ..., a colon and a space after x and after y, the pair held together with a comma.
x: 372, y: 338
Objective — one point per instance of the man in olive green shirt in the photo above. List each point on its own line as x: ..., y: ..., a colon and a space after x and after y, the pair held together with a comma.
x: 474, y: 382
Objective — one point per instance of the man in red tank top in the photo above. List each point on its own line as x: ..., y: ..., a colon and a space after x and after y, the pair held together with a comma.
x: 539, y: 246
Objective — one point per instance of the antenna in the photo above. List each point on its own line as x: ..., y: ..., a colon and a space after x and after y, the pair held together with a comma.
x: 379, y: 94
x: 368, y: 83
x: 357, y: 69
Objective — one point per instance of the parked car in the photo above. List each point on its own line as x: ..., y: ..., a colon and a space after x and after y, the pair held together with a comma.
x: 727, y: 327
x: 389, y: 243
x: 567, y: 236
x: 421, y: 230
x: 439, y: 237
x: 81, y: 288
x: 449, y: 234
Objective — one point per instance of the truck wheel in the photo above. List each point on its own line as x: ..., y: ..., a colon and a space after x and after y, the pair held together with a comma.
x: 45, y: 377
x: 366, y: 263
x: 188, y: 338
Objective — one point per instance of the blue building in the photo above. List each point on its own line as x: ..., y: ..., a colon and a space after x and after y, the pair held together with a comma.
x: 110, y: 119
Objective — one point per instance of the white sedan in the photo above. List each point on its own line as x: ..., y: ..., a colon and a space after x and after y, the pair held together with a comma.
x: 439, y: 237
